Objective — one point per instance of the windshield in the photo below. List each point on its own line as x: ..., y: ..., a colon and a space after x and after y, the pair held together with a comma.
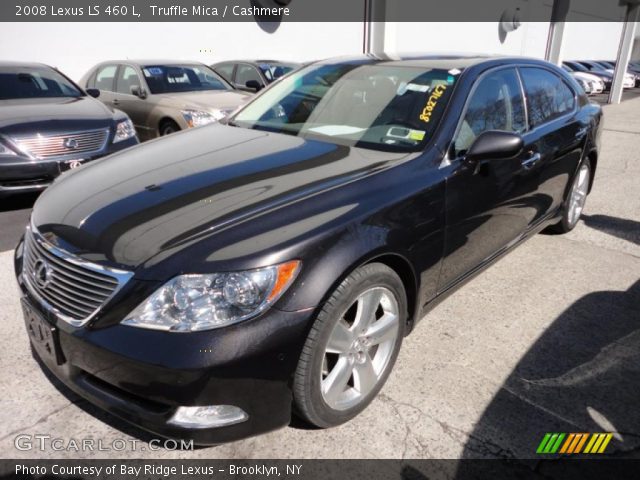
x: 273, y: 71
x: 182, y: 78
x: 35, y: 82
x: 380, y: 107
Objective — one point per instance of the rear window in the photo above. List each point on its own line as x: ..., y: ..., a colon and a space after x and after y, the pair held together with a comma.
x: 548, y: 96
x: 182, y: 78
x: 35, y: 82
x: 273, y: 71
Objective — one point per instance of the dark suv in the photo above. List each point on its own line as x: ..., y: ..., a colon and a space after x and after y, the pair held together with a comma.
x: 49, y: 125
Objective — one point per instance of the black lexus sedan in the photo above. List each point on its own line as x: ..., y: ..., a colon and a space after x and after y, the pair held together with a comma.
x: 207, y: 285
x: 49, y: 125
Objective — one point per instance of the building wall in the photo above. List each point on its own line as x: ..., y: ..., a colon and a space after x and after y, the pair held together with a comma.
x: 592, y: 40
x: 75, y: 47
x: 476, y: 37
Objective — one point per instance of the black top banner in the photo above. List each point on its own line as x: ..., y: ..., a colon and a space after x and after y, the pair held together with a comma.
x: 313, y: 10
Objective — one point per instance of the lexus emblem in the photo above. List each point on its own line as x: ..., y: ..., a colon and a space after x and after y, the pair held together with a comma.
x: 74, y: 164
x: 42, y: 274
x: 70, y: 143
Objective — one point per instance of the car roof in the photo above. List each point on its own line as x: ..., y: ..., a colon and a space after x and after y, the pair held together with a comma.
x: 4, y: 63
x: 445, y: 61
x: 151, y: 61
x: 258, y: 62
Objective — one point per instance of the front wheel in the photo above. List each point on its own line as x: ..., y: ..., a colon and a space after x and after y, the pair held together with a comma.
x: 352, y: 346
x: 574, y: 204
x: 168, y: 127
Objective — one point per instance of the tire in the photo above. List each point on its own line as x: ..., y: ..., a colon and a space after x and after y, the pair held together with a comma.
x: 168, y: 127
x: 576, y: 198
x: 362, y: 367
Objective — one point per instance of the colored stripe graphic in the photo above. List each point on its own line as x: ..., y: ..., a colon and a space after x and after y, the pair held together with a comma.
x: 573, y: 443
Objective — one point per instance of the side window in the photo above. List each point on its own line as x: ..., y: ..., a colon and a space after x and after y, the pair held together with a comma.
x: 246, y: 73
x: 91, y: 81
x: 548, y: 97
x: 225, y: 71
x: 127, y: 78
x: 496, y: 104
x: 105, y: 77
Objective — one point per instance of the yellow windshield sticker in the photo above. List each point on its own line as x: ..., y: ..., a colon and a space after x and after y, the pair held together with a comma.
x: 439, y: 89
x: 417, y: 135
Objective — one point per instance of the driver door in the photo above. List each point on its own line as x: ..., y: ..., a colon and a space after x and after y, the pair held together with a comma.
x: 490, y: 204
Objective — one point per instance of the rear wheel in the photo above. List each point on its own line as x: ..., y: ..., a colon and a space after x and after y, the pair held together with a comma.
x: 351, y: 347
x: 574, y: 204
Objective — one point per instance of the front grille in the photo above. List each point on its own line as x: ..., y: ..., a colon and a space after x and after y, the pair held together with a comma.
x: 62, y: 145
x: 70, y: 287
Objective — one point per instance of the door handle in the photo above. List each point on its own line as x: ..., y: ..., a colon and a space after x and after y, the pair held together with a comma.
x: 116, y: 101
x: 530, y: 162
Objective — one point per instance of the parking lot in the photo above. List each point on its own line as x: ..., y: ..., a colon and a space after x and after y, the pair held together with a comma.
x: 546, y: 340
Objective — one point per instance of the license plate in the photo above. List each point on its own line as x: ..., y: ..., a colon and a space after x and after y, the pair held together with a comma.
x: 44, y: 336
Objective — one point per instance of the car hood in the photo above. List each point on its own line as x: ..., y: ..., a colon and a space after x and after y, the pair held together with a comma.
x: 222, y: 100
x: 15, y: 114
x: 127, y: 208
x: 587, y: 76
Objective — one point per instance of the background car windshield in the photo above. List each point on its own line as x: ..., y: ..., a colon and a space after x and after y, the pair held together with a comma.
x: 273, y: 71
x: 34, y: 82
x: 379, y: 107
x: 182, y: 78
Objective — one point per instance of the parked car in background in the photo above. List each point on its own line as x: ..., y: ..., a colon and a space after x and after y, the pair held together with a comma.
x: 163, y: 97
x: 631, y: 69
x: 229, y: 276
x: 629, y: 79
x: 253, y: 75
x: 606, y: 77
x: 49, y: 125
x: 590, y: 83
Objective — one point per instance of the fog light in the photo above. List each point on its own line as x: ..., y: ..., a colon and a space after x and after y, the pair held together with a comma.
x: 208, y: 417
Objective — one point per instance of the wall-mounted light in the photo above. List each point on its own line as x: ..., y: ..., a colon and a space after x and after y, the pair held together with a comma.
x: 269, y: 23
x: 509, y: 22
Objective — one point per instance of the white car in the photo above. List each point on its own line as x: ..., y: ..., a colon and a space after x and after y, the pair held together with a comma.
x: 594, y: 83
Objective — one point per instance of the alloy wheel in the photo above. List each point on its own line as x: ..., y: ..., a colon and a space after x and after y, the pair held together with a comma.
x: 360, y: 348
x: 578, y: 196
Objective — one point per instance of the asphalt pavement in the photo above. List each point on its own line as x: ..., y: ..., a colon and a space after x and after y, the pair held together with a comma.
x: 546, y: 340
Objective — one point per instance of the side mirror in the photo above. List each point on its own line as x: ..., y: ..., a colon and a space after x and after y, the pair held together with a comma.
x: 138, y: 92
x: 93, y: 92
x: 254, y: 85
x: 495, y: 145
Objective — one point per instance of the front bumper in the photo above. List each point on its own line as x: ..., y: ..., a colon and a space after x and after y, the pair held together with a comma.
x: 22, y: 174
x: 143, y: 376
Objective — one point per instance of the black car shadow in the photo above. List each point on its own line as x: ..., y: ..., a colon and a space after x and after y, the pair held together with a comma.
x: 18, y: 202
x: 581, y: 375
x: 618, y: 227
x: 14, y: 216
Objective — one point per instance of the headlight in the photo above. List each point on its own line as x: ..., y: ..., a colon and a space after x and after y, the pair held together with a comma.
x: 197, y: 118
x: 190, y: 303
x: 124, y: 131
